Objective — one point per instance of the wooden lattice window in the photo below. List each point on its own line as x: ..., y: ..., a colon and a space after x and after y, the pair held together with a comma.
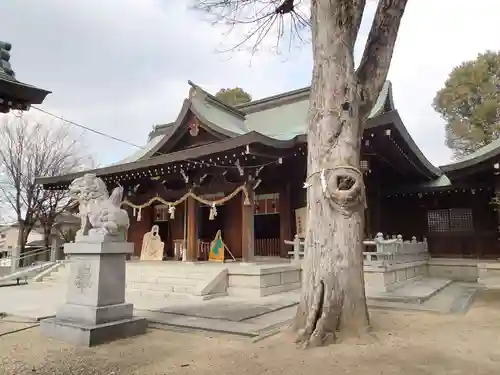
x: 438, y: 221
x: 461, y: 220
x: 161, y: 213
x: 450, y: 220
x: 266, y: 204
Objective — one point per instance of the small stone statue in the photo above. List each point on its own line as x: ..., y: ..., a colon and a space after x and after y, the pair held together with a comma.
x: 100, y: 213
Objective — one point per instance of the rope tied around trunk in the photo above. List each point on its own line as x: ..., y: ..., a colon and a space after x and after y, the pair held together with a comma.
x: 343, y: 185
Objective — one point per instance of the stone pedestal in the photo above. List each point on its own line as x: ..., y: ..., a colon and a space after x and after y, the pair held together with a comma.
x: 95, y: 310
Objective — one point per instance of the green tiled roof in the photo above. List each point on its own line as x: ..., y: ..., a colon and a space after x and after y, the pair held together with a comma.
x: 283, y: 122
x: 490, y: 151
x: 289, y: 120
x: 280, y: 117
x: 210, y: 111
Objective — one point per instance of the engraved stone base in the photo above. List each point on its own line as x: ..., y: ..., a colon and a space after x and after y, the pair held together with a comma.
x: 90, y: 335
x: 94, y: 314
x: 95, y: 310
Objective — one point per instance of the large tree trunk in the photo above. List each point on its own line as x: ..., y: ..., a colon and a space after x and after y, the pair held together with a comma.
x: 333, y: 293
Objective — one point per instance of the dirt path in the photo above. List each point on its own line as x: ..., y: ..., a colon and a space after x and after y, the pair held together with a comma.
x: 403, y: 343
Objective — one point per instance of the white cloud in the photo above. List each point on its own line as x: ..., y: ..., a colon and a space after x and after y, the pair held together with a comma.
x: 121, y: 66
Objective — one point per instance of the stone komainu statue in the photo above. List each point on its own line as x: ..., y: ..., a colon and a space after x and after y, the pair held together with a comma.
x: 100, y: 213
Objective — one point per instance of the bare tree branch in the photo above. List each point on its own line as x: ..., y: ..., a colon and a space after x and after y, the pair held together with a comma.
x: 29, y: 150
x: 374, y: 65
x: 279, y: 19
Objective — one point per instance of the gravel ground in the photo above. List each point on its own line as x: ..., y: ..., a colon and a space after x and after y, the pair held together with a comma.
x: 402, y: 343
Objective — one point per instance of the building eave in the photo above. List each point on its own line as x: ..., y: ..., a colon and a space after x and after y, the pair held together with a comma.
x: 489, y: 153
x: 393, y: 117
x: 191, y: 153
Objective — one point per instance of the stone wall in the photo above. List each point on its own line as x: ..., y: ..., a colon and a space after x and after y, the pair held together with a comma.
x: 260, y: 281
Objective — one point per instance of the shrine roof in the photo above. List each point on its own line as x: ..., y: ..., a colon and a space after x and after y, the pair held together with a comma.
x: 284, y: 116
x: 281, y: 117
x: 277, y: 122
x: 486, y: 154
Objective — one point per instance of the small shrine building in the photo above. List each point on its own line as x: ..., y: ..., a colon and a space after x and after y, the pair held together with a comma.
x: 241, y: 170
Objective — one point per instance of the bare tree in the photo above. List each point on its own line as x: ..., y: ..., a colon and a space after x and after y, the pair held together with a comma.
x: 29, y: 150
x: 333, y: 293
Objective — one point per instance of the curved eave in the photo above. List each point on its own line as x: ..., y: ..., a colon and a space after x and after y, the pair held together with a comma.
x: 485, y: 155
x: 393, y: 117
x: 191, y: 153
x: 23, y: 92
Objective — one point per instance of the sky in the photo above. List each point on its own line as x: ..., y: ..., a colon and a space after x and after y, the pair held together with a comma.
x: 122, y: 66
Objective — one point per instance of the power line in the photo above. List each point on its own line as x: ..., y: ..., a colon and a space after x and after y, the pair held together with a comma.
x: 279, y: 160
x: 87, y: 128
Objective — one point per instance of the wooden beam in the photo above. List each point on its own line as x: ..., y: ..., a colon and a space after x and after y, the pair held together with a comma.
x: 247, y: 226
x: 192, y: 230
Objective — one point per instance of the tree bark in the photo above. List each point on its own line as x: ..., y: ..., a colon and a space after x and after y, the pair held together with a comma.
x: 333, y: 293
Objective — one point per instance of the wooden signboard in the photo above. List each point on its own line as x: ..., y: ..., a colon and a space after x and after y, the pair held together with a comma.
x: 301, y: 221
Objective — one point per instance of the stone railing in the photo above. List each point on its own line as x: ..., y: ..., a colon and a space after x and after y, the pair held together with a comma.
x: 298, y: 248
x: 394, y: 251
x: 388, y: 252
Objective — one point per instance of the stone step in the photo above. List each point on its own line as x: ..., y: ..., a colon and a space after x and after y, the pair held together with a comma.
x: 156, y: 293
x: 164, y: 280
x: 56, y: 276
x: 171, y: 270
x: 170, y: 275
x: 159, y: 287
x: 417, y: 291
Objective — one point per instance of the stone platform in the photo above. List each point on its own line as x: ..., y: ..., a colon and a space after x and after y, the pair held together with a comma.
x: 414, y: 291
x: 200, y: 280
x: 92, y: 334
x: 489, y: 274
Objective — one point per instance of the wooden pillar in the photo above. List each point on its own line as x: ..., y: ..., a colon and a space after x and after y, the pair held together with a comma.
x: 285, y: 209
x: 247, y: 226
x: 192, y: 230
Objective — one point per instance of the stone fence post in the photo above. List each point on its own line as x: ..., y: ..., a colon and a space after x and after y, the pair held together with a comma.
x: 14, y: 256
x: 296, y: 248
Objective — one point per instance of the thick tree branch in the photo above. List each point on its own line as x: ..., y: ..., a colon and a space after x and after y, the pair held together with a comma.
x: 351, y: 11
x: 374, y: 66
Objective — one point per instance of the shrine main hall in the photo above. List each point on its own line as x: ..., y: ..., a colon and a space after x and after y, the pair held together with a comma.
x: 238, y: 172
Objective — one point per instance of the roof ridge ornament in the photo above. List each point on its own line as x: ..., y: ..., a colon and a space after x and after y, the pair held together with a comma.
x: 192, y: 92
